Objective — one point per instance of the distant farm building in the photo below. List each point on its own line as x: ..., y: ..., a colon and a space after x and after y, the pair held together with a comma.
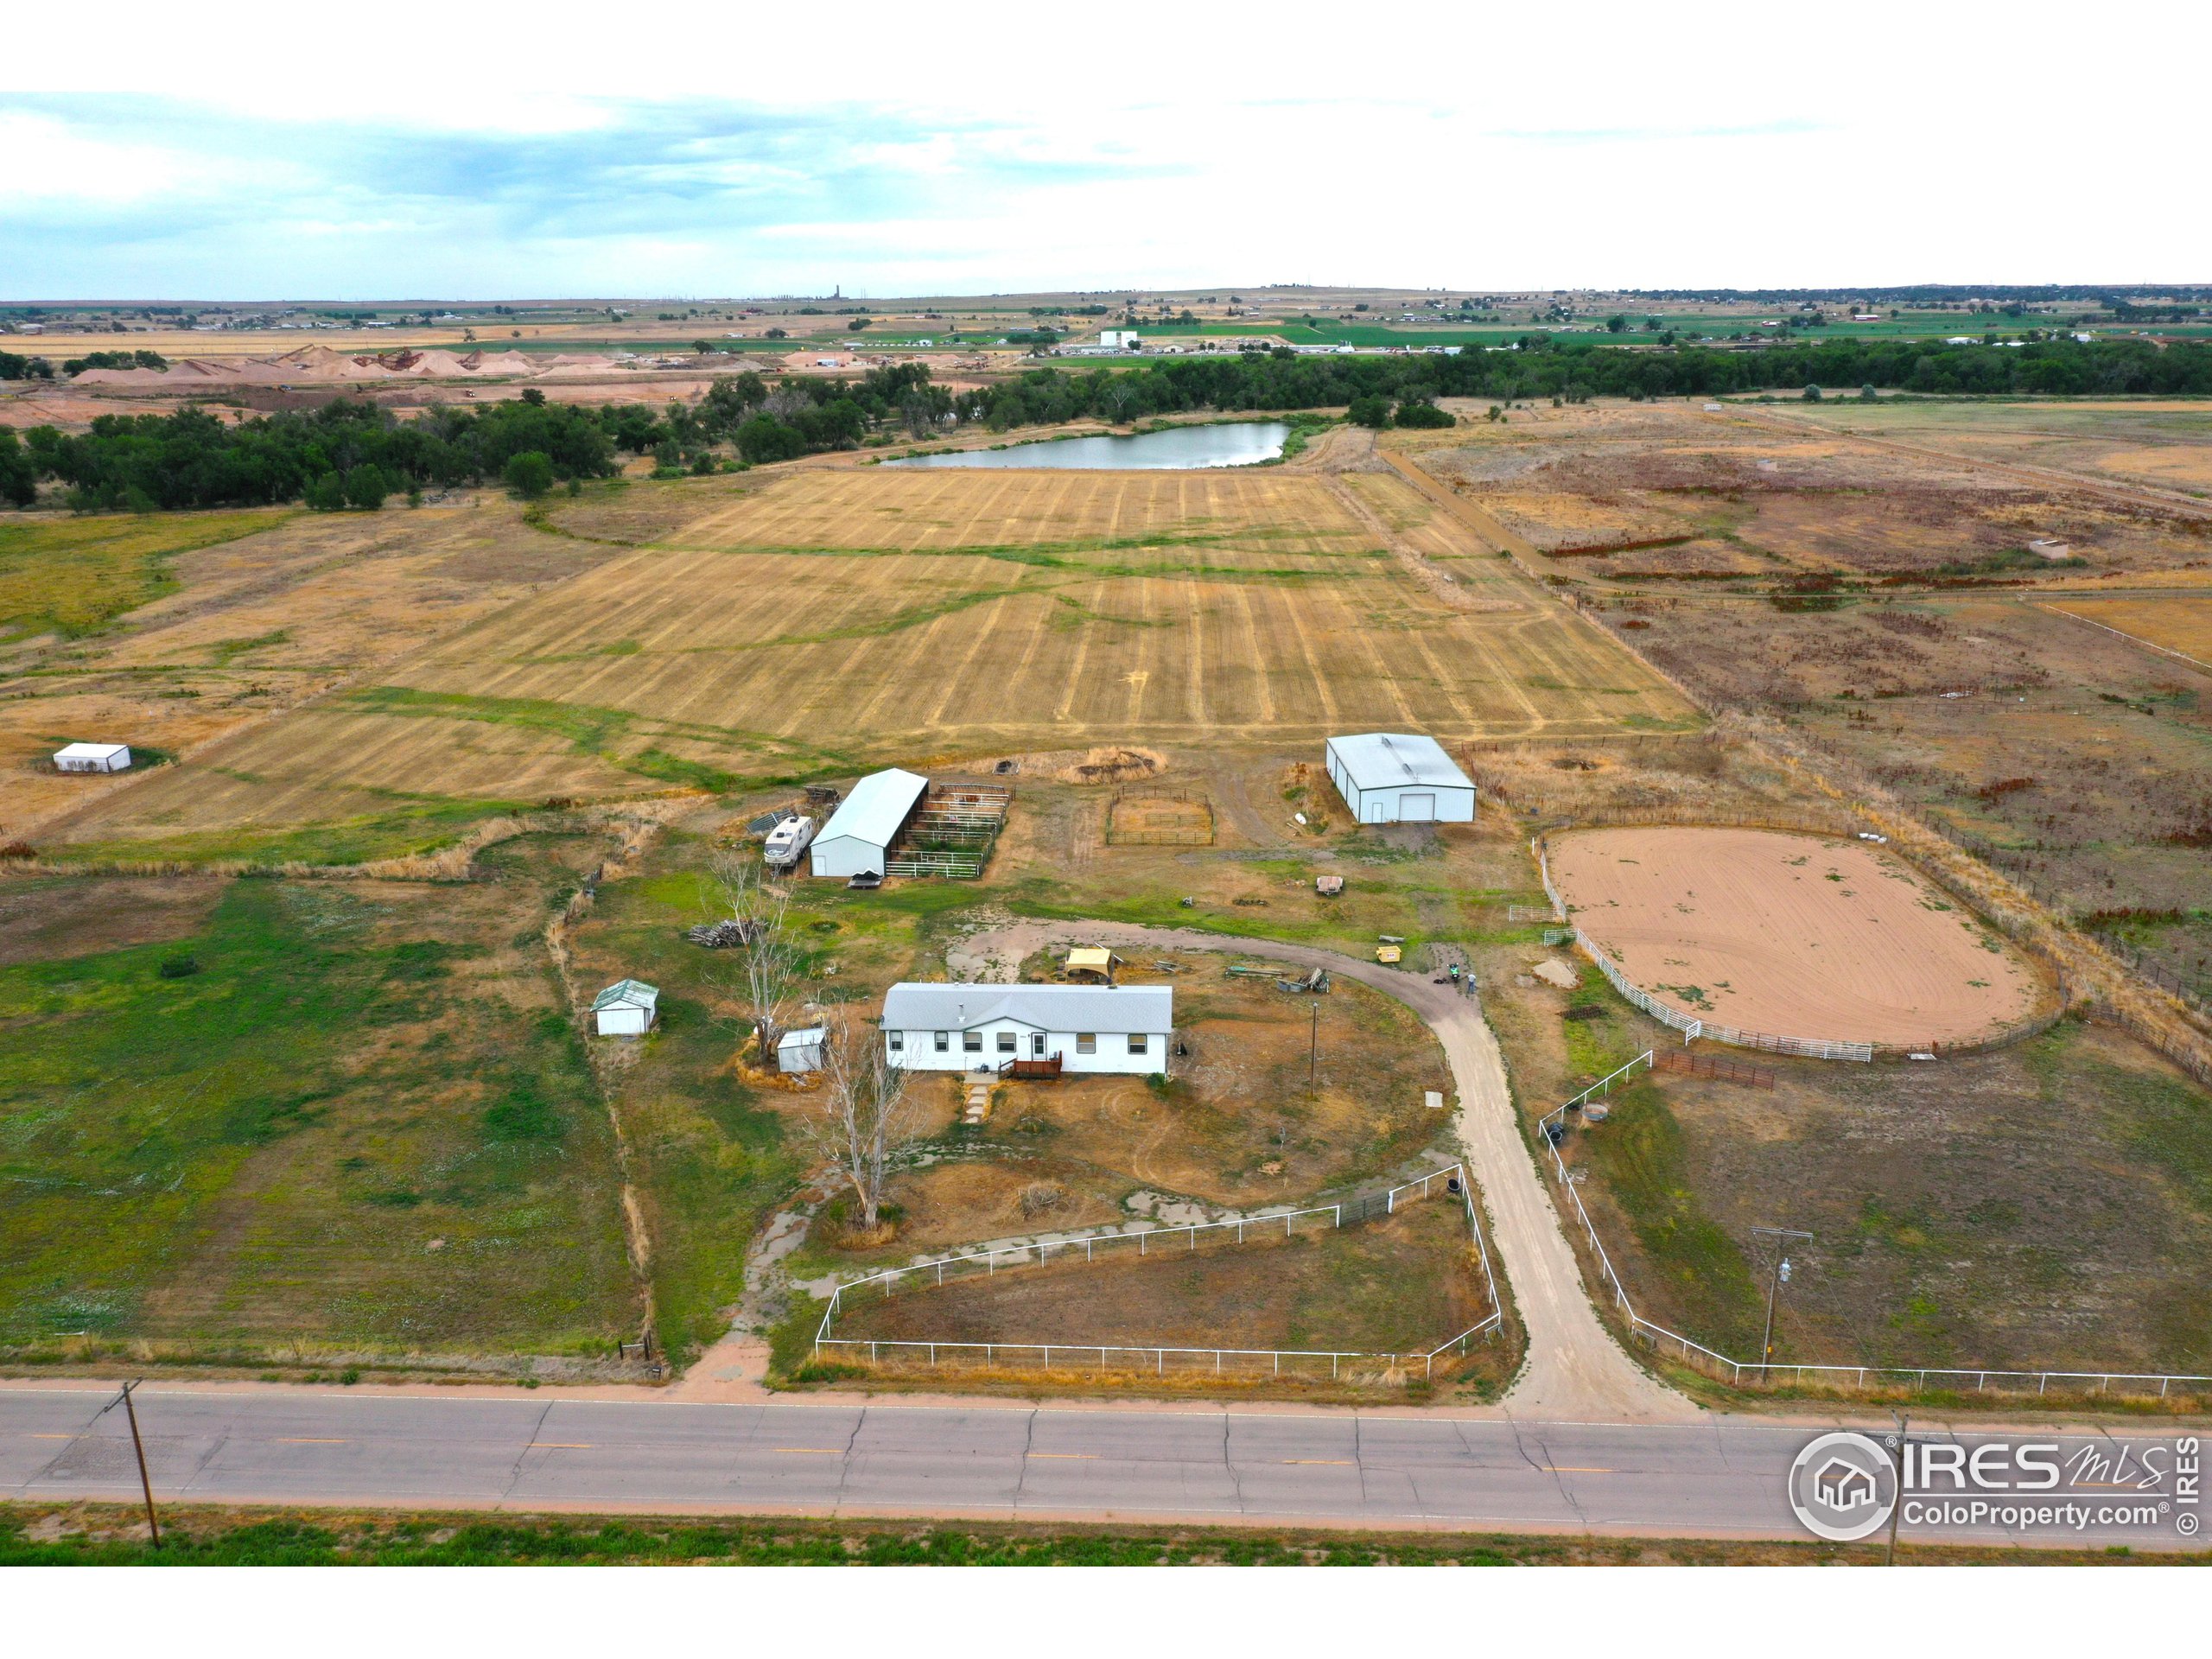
x: 94, y: 757
x: 625, y: 1008
x: 1398, y: 778
x: 1029, y: 1029
x: 857, y: 838
x: 1120, y: 340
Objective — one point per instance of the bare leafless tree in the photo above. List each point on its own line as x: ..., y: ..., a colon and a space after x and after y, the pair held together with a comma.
x: 862, y: 1113
x: 768, y: 966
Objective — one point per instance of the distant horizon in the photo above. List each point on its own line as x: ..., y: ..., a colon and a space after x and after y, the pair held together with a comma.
x: 2050, y: 291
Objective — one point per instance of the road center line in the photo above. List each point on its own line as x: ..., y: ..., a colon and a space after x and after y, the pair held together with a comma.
x: 290, y: 1440
x: 1093, y: 1455
x: 813, y: 1450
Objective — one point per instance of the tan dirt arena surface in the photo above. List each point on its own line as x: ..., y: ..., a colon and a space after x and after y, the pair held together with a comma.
x: 1792, y: 934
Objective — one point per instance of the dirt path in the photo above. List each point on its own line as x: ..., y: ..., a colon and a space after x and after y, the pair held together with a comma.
x: 1575, y: 1371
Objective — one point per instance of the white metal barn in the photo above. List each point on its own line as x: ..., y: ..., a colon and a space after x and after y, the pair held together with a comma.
x: 1081, y: 1028
x: 1395, y: 777
x: 94, y: 757
x: 625, y: 1008
x: 801, y: 1051
x: 860, y: 830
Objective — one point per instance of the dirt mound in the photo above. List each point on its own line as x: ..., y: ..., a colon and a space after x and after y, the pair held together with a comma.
x: 1113, y: 766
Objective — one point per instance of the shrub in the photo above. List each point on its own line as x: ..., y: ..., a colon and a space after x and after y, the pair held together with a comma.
x: 326, y: 493
x: 1371, y: 411
x: 179, y: 967
x: 1422, y: 413
x: 530, y: 474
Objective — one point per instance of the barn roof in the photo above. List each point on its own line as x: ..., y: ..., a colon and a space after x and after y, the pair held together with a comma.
x: 90, y: 751
x: 911, y: 1005
x: 1397, y: 760
x: 876, y: 808
x: 626, y: 994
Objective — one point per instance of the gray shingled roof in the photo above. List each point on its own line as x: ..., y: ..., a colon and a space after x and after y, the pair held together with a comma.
x: 911, y: 1005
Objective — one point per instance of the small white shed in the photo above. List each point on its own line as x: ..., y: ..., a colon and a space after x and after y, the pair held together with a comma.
x: 94, y: 757
x: 1399, y: 778
x: 799, y: 1052
x: 627, y: 1008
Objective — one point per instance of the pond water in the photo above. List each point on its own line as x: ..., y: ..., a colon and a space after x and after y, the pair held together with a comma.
x: 1176, y: 449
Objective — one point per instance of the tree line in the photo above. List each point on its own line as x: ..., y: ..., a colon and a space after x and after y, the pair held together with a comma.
x: 354, y: 453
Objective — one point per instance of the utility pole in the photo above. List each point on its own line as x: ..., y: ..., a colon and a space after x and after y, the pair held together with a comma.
x: 1782, y: 1236
x: 1314, y: 1048
x: 145, y: 1481
x: 1897, y: 1509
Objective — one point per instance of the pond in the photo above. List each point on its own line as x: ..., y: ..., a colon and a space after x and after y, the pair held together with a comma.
x: 1175, y: 448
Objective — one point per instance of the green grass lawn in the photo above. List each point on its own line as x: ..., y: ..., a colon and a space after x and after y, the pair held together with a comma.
x: 74, y: 575
x: 360, y: 1118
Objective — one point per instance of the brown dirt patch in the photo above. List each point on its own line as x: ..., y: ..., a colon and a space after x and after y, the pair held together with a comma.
x: 1792, y: 934
x: 52, y: 919
x: 1404, y: 1283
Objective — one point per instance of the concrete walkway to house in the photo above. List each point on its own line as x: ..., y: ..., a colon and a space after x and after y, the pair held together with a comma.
x: 1575, y: 1371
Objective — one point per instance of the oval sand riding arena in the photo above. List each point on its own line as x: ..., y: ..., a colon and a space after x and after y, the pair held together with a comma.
x: 1792, y: 934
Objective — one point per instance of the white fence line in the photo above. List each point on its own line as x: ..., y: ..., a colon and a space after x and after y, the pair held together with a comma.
x: 1692, y: 1027
x: 1659, y: 1336
x: 1038, y: 1255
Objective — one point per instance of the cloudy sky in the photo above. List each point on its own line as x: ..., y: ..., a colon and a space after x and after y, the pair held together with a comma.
x: 439, y: 151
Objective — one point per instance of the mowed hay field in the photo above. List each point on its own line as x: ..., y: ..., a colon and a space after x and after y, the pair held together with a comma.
x: 829, y: 619
x: 1791, y: 936
x: 908, y: 613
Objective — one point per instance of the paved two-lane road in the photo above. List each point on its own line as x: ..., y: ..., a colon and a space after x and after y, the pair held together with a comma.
x: 1720, y: 1476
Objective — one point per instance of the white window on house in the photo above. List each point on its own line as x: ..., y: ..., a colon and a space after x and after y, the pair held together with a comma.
x: 1006, y: 1042
x: 971, y: 1042
x: 1037, y: 1043
x: 943, y: 1041
x: 1086, y: 1042
x: 898, y: 1041
x: 1136, y: 1042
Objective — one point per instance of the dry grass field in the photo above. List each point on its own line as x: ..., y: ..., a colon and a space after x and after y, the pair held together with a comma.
x: 2145, y: 442
x: 1648, y: 495
x: 1396, y: 1285
x: 2181, y: 624
x: 196, y: 627
x: 829, y: 619
x: 1792, y: 936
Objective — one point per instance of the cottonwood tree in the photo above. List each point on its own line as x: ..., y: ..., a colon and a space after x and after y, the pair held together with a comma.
x: 861, y: 1114
x: 769, y: 966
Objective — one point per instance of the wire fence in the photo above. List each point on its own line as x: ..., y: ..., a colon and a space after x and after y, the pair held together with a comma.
x: 1552, y: 1132
x: 1341, y: 1365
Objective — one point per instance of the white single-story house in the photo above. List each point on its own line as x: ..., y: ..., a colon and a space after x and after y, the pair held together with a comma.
x: 1082, y: 1028
x: 627, y: 1008
x: 1397, y: 777
x: 94, y: 757
x: 801, y: 1051
x: 860, y: 831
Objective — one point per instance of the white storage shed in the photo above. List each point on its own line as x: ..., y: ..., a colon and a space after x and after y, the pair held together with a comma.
x: 1397, y: 777
x: 627, y: 1008
x: 861, y: 830
x: 800, y: 1051
x: 1085, y: 1028
x: 94, y: 757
